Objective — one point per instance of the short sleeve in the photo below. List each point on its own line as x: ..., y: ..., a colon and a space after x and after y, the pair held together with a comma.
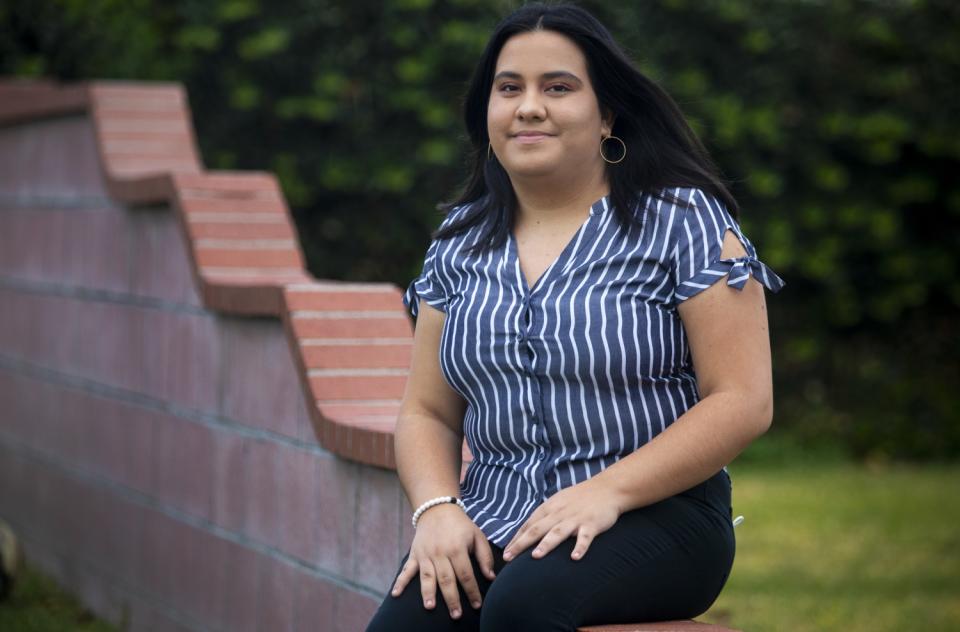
x: 427, y: 286
x: 697, y: 238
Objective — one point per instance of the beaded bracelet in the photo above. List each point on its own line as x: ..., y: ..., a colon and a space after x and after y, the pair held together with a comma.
x: 434, y: 502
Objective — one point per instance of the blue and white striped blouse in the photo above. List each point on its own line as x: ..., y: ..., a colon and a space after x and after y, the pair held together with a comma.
x: 565, y: 378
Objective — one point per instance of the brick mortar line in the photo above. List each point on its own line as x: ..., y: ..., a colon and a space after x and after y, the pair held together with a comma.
x: 41, y: 203
x: 362, y: 342
x: 21, y: 368
x: 359, y: 402
x: 322, y: 286
x: 344, y: 314
x: 358, y: 372
x: 137, y: 497
x: 96, y: 295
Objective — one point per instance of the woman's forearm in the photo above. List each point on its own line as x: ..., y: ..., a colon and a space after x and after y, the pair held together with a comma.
x: 428, y: 458
x: 693, y: 448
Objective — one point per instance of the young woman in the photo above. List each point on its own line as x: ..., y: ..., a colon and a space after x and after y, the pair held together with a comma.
x: 571, y: 323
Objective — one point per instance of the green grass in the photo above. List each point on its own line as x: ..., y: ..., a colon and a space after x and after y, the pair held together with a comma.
x: 838, y: 546
x: 37, y: 604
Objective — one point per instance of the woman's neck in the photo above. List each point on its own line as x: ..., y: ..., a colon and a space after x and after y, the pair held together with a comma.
x: 539, y: 201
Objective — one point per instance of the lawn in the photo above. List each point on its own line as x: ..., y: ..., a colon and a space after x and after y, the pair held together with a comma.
x: 837, y: 546
x: 37, y: 604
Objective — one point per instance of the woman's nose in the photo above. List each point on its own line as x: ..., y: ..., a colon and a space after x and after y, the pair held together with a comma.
x: 531, y: 106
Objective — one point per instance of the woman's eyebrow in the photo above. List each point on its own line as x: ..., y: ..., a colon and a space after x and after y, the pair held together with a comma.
x: 556, y: 74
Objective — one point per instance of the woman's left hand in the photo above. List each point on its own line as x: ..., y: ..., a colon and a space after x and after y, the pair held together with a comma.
x: 585, y: 510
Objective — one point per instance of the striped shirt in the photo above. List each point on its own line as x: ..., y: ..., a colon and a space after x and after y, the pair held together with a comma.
x: 565, y: 378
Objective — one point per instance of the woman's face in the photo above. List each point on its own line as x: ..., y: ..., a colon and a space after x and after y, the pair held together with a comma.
x: 543, y: 117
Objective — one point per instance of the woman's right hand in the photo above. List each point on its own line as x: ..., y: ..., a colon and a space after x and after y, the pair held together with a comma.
x: 441, y: 548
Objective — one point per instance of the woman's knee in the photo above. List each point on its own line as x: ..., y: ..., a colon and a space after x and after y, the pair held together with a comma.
x: 521, y: 598
x: 406, y: 613
x: 513, y: 610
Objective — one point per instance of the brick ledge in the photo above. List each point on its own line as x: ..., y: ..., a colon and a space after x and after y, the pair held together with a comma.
x: 244, y: 252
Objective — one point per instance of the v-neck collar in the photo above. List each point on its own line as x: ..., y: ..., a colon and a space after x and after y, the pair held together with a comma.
x: 583, y: 235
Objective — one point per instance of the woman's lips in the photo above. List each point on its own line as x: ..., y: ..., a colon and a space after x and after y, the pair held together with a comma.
x: 530, y: 138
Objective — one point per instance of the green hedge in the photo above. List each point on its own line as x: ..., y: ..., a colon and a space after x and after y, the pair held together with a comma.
x: 836, y: 122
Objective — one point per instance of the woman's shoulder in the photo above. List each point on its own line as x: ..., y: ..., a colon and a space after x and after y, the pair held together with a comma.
x: 458, y: 213
x: 687, y: 204
x: 455, y: 216
x: 686, y: 199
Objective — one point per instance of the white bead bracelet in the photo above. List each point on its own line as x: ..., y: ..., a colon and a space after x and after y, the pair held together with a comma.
x: 433, y: 503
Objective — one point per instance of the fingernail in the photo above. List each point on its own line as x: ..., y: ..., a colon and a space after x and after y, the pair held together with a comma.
x: 475, y: 604
x: 455, y: 614
x: 507, y: 555
x: 429, y: 604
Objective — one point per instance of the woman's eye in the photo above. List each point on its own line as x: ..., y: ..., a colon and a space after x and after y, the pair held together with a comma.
x: 560, y: 88
x: 508, y: 88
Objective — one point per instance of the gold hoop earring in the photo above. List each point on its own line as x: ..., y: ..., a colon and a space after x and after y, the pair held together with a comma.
x: 622, y: 144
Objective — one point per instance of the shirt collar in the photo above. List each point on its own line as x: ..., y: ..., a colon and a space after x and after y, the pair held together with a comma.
x: 601, y: 206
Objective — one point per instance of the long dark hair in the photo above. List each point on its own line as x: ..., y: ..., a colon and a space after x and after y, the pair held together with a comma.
x: 662, y: 150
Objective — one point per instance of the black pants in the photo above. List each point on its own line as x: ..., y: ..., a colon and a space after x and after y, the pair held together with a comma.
x: 665, y: 561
